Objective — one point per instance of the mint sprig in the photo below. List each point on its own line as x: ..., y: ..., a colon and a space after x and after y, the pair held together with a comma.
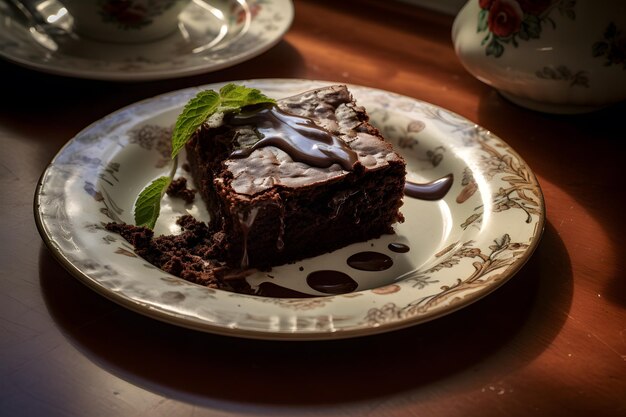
x: 196, y: 111
x: 148, y: 204
x: 230, y: 99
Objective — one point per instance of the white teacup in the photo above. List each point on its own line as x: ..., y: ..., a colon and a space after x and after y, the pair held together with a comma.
x: 125, y: 21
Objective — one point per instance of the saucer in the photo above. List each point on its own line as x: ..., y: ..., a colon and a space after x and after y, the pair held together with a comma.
x: 209, y: 37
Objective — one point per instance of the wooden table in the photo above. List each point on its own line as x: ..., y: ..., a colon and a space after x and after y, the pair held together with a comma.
x: 550, y: 342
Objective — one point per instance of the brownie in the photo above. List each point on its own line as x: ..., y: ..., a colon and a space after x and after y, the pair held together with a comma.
x: 273, y: 202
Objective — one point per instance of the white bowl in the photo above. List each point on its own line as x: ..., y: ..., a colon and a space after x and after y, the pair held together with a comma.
x: 556, y: 56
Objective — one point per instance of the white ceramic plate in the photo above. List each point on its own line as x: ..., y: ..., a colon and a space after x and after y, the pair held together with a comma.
x: 461, y: 247
x: 211, y: 36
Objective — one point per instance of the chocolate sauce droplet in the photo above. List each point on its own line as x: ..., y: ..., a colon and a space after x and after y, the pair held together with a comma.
x: 298, y: 136
x: 269, y: 289
x: 331, y: 282
x: 398, y: 247
x: 435, y: 190
x: 370, y: 261
x: 246, y: 219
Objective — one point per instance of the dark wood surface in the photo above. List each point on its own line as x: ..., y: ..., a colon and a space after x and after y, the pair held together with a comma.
x: 550, y: 342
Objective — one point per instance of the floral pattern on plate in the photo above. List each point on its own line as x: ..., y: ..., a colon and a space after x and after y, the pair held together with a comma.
x: 461, y: 248
x: 211, y: 36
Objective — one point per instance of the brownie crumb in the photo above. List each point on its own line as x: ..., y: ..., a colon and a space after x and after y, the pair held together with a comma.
x: 191, y: 255
x: 186, y: 167
x: 178, y: 188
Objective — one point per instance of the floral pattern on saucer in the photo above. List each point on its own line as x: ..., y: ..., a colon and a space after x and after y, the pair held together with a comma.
x: 462, y: 247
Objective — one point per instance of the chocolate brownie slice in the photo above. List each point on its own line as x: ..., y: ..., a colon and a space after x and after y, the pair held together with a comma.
x: 295, y: 180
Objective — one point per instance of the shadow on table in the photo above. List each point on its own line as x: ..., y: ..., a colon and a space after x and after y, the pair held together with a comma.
x: 71, y: 104
x: 497, y: 334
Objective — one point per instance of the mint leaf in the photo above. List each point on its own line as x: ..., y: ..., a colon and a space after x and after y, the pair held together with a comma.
x: 148, y: 204
x: 197, y: 110
x: 238, y: 96
x: 231, y: 98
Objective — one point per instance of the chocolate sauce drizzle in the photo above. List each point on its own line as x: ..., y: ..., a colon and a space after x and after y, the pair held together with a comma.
x: 398, y: 247
x: 331, y: 282
x: 298, y: 136
x: 370, y: 261
x: 431, y: 191
x: 245, y: 222
x: 336, y: 282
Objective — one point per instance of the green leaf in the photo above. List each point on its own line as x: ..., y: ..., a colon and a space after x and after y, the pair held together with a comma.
x: 485, y: 39
x: 231, y: 98
x: 148, y: 204
x: 197, y: 110
x: 532, y: 25
x: 523, y: 33
x: 495, y: 48
x: 564, y: 72
x: 482, y: 20
x: 238, y: 96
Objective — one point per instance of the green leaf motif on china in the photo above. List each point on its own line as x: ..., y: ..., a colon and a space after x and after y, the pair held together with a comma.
x: 611, y: 48
x: 563, y: 73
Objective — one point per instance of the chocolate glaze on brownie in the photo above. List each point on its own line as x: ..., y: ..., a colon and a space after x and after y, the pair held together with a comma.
x: 298, y: 136
x: 334, y: 110
x: 274, y: 201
